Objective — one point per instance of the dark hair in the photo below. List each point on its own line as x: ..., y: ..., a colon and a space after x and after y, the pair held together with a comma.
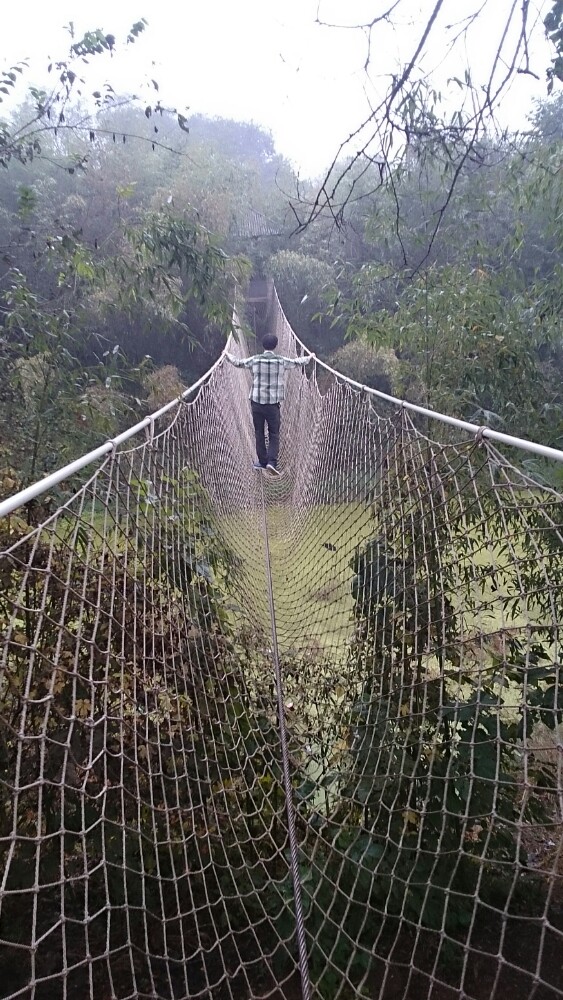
x: 269, y: 342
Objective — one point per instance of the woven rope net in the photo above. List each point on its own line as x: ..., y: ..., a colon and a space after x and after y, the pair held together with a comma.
x: 363, y: 800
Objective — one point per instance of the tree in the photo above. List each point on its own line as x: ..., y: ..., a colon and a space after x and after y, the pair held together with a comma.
x: 68, y: 106
x: 413, y: 111
x: 474, y: 341
x: 306, y: 286
x: 69, y: 380
x: 553, y: 23
x: 377, y: 367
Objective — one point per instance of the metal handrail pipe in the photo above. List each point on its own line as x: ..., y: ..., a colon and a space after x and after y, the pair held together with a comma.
x: 54, y: 478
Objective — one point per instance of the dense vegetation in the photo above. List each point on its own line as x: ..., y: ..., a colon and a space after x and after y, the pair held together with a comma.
x: 119, y: 260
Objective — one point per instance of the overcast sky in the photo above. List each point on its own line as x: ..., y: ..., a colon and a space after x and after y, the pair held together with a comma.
x: 269, y: 62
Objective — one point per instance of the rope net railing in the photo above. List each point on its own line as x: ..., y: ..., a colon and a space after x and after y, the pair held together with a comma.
x: 410, y: 688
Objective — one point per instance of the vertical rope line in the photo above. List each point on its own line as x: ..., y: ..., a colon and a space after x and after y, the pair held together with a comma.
x: 290, y: 810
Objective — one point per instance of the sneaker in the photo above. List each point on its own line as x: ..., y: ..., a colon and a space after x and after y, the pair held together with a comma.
x: 271, y: 468
x: 258, y: 465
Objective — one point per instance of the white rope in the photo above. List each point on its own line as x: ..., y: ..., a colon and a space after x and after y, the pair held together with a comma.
x: 400, y: 615
x: 42, y: 486
x: 479, y: 430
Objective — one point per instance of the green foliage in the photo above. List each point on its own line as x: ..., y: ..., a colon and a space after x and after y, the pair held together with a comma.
x: 418, y: 814
x: 306, y: 286
x: 27, y: 201
x: 151, y: 680
x: 377, y: 367
x: 547, y: 122
x: 454, y: 765
x: 54, y: 107
x: 473, y: 346
x: 68, y: 385
x: 553, y: 23
x: 53, y: 406
x: 168, y: 245
x: 193, y: 539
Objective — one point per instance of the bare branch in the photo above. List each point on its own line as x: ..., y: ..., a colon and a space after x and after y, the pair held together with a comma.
x: 385, y: 107
x: 400, y: 117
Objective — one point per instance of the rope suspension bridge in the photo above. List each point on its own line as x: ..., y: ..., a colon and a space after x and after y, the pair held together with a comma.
x: 293, y: 737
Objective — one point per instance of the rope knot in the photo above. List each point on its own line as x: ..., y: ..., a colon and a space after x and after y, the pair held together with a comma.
x: 149, y: 434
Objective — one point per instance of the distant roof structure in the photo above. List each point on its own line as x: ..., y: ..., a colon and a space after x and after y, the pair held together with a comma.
x: 254, y: 224
x: 259, y: 304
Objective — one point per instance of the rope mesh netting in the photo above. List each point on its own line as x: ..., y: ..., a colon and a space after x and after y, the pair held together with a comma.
x: 406, y: 702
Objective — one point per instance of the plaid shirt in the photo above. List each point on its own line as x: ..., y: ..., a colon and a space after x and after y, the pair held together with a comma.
x: 268, y: 374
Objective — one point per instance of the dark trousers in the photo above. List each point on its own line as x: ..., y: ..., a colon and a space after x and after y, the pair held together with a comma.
x: 262, y: 414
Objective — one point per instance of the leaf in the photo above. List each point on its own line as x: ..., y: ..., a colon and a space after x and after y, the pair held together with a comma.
x: 306, y: 790
x: 82, y: 708
x: 410, y: 818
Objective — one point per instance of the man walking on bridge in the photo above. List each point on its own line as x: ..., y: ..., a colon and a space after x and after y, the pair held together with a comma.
x: 266, y: 395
